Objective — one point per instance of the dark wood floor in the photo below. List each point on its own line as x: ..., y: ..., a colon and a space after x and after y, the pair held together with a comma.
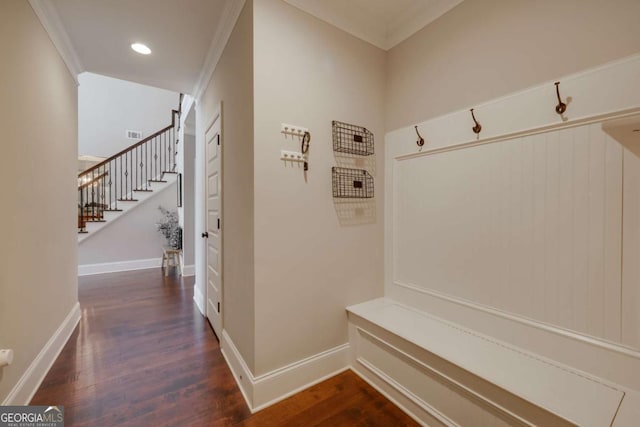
x: 143, y: 355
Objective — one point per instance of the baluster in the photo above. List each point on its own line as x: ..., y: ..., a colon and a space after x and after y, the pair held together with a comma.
x: 135, y: 179
x: 169, y: 145
x: 81, y: 211
x: 103, y: 182
x: 146, y: 166
x: 93, y: 194
x: 120, y: 178
x: 155, y: 158
x: 139, y: 163
x: 113, y: 204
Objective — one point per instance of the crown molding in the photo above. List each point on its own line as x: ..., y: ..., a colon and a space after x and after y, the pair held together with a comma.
x: 230, y: 15
x: 48, y: 16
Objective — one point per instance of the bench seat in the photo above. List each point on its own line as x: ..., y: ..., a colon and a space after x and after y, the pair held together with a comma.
x: 568, y: 394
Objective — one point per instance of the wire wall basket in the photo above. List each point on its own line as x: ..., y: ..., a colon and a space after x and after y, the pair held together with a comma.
x: 351, y: 183
x: 352, y: 139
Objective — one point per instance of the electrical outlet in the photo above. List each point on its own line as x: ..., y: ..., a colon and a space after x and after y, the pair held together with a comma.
x: 292, y: 130
x: 293, y: 156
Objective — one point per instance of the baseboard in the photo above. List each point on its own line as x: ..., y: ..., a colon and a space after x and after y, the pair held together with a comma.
x: 239, y: 369
x: 281, y: 383
x: 265, y: 390
x: 23, y: 391
x: 198, y: 298
x: 114, y: 267
x: 189, y: 270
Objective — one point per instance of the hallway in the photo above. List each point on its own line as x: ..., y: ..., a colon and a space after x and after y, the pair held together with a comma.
x: 143, y: 355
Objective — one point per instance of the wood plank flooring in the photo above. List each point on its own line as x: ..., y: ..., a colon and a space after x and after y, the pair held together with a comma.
x: 143, y: 355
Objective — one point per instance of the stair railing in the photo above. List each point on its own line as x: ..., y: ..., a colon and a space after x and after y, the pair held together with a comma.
x: 119, y: 177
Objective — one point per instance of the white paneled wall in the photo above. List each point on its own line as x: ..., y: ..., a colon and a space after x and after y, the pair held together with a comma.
x: 529, y: 232
x: 631, y: 248
x: 531, y: 226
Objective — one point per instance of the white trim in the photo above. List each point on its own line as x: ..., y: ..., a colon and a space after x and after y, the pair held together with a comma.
x: 198, y: 299
x: 23, y: 391
x: 189, y: 270
x: 460, y: 387
x: 239, y: 369
x: 46, y: 13
x: 188, y: 103
x: 387, y: 385
x: 281, y: 383
x: 114, y: 267
x: 272, y: 387
x: 594, y: 341
x: 227, y: 22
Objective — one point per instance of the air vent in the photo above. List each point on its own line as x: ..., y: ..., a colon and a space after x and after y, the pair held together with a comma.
x: 134, y: 134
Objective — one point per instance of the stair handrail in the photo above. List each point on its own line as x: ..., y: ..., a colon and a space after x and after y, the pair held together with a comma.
x: 115, y: 179
x: 134, y: 146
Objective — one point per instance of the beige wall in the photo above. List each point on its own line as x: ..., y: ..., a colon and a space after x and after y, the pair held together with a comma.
x: 308, y: 267
x: 38, y: 118
x: 232, y: 84
x: 483, y: 49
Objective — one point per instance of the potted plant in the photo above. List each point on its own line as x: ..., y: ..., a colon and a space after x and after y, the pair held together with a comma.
x: 168, y: 226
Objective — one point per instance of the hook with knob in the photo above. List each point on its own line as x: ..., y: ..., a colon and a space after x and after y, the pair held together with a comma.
x: 561, y: 107
x: 420, y: 140
x: 478, y: 127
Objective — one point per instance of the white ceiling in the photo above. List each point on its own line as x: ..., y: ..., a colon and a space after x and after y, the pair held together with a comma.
x: 383, y: 23
x: 187, y: 36
x: 179, y: 32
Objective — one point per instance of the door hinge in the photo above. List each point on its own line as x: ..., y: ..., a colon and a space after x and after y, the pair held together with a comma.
x: 218, y: 223
x: 218, y: 139
x: 218, y: 306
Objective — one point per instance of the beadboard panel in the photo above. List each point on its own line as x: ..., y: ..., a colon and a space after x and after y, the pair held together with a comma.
x: 530, y: 226
x: 630, y: 297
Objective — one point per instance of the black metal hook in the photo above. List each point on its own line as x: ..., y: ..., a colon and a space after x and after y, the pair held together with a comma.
x: 477, y: 128
x: 561, y: 107
x: 420, y: 140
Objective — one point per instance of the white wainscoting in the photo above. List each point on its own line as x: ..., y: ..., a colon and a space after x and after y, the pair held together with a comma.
x: 529, y: 233
x: 530, y: 225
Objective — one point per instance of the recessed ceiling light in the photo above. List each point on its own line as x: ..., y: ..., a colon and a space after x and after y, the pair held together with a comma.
x: 141, y: 48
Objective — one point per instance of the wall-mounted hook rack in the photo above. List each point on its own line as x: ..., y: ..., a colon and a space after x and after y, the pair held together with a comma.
x: 561, y: 107
x: 293, y: 130
x: 478, y: 127
x: 420, y: 140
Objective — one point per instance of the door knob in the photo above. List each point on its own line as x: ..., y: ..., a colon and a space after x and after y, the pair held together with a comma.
x: 205, y: 234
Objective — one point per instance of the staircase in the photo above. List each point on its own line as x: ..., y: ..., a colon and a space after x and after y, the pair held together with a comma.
x: 110, y: 188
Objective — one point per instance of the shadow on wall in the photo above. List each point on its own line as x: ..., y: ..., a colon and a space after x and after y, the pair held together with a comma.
x: 352, y: 212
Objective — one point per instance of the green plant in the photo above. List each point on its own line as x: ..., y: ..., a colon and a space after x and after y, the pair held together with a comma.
x: 169, y: 227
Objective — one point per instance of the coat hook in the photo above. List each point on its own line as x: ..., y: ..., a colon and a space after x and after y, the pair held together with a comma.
x: 477, y: 128
x: 561, y: 107
x: 420, y: 140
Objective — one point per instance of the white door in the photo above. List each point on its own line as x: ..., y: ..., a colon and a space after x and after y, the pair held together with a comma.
x: 214, y: 235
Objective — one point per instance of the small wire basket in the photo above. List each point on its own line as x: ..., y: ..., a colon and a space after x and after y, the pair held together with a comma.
x: 352, y: 139
x: 351, y: 183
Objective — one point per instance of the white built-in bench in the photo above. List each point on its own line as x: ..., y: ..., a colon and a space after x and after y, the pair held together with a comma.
x: 444, y: 374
